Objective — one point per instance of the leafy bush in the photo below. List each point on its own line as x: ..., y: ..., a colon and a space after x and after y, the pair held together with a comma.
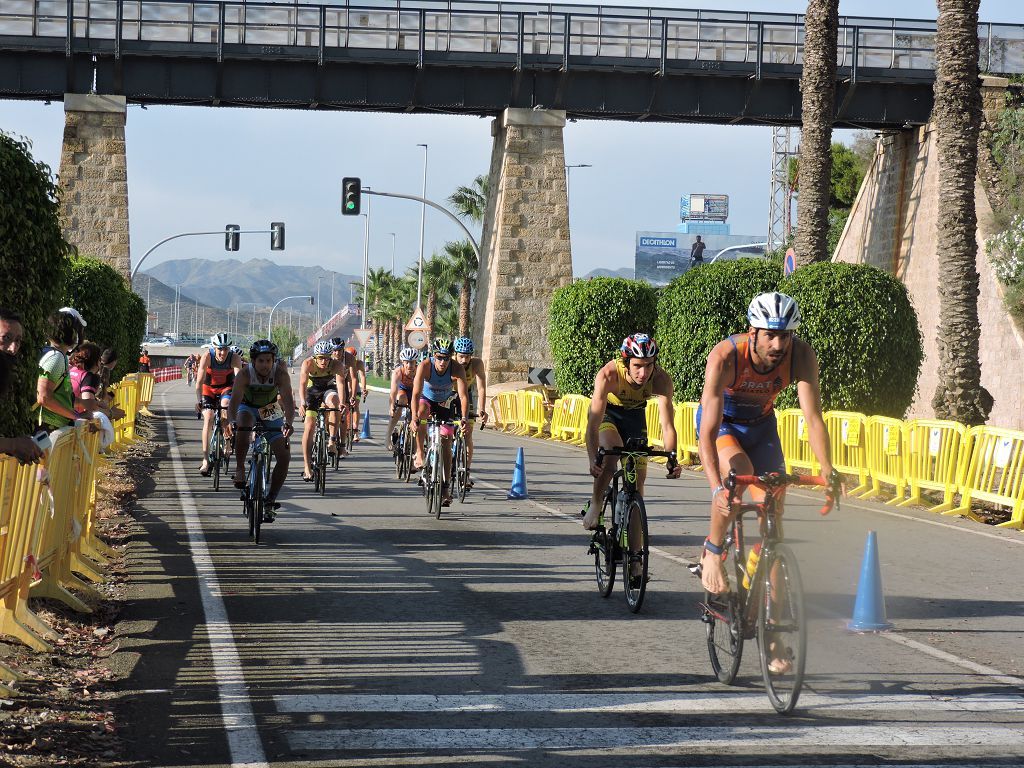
x: 588, y: 321
x: 700, y: 308
x: 1006, y: 252
x: 860, y: 322
x: 116, y: 317
x: 32, y: 254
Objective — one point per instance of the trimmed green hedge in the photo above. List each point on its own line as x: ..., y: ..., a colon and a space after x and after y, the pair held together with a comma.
x: 700, y: 308
x: 864, y: 330
x: 32, y: 266
x: 588, y: 321
x: 115, y: 315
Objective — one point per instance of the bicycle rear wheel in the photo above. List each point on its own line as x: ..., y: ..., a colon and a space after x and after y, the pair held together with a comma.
x: 252, y: 488
x: 603, y: 546
x: 635, y: 554
x: 781, y: 628
x: 216, y: 456
x: 438, y: 484
x: 722, y: 617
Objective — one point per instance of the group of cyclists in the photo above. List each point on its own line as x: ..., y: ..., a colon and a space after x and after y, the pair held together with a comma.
x: 736, y: 424
x: 242, y: 393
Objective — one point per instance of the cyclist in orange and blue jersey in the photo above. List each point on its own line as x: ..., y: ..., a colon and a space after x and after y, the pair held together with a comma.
x: 215, y: 375
x: 736, y: 425
x: 402, y: 379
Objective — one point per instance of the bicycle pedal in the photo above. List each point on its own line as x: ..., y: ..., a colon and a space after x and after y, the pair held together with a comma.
x: 695, y: 569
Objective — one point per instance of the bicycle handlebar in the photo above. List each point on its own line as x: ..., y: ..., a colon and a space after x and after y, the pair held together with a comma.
x: 643, y: 450
x: 773, y: 480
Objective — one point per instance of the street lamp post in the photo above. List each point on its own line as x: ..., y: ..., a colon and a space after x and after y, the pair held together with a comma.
x: 366, y: 261
x: 569, y: 168
x: 270, y: 320
x: 393, y: 236
x: 423, y: 222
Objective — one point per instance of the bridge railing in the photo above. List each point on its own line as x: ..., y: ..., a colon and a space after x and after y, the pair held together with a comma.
x: 654, y: 36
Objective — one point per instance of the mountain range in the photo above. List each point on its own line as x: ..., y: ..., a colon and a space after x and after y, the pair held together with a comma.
x: 626, y: 272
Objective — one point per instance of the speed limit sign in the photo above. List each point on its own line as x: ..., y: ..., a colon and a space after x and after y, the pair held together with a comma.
x: 417, y: 339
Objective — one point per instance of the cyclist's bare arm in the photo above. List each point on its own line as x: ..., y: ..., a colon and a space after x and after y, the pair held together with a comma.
x: 422, y: 371
x: 303, y: 383
x: 481, y: 388
x: 604, y: 382
x: 236, y: 362
x: 340, y: 373
x: 808, y: 392
x: 362, y: 376
x: 721, y: 368
x: 284, y: 389
x: 200, y: 375
x: 459, y: 377
x: 663, y: 392
x: 395, y: 376
x: 237, y: 392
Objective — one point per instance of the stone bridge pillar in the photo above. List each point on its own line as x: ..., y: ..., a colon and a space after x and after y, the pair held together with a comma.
x: 525, y: 249
x: 94, y: 178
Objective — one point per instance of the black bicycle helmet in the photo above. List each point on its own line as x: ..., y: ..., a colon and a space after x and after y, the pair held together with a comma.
x: 262, y: 347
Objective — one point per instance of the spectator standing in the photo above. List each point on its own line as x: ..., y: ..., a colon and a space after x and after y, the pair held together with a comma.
x: 697, y: 252
x: 24, y: 448
x: 144, y: 361
x: 54, y: 395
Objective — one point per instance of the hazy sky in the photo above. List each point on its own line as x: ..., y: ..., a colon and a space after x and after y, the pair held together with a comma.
x: 198, y: 168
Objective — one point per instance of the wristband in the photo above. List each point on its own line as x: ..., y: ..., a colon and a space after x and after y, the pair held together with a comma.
x: 714, y: 549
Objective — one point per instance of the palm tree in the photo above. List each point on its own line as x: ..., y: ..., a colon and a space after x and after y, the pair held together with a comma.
x: 463, y: 265
x: 818, y: 84
x: 471, y: 202
x: 378, y: 281
x: 957, y: 115
x: 447, y: 321
x: 437, y: 283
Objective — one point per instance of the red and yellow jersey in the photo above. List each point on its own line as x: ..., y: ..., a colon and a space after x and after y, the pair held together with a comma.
x: 752, y: 394
x: 219, y: 376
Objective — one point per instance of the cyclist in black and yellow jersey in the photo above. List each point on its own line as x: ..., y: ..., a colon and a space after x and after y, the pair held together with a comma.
x: 321, y: 380
x: 618, y: 412
x: 254, y: 397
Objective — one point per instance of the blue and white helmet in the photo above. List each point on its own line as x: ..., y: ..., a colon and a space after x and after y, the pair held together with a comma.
x: 220, y: 340
x: 323, y: 347
x: 774, y: 312
x: 464, y: 345
x: 408, y: 355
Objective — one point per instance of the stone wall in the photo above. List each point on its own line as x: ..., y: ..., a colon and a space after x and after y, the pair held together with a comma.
x: 93, y: 178
x: 525, y: 247
x: 892, y: 225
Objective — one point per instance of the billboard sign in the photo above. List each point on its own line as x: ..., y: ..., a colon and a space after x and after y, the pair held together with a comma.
x: 704, y: 207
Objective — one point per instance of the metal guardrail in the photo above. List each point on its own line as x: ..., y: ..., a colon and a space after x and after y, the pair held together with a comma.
x: 496, y: 30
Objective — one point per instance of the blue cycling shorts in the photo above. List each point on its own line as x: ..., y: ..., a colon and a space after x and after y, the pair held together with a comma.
x: 272, y: 427
x: 759, y: 440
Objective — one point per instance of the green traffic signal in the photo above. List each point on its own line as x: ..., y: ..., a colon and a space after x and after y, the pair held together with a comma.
x: 351, y: 192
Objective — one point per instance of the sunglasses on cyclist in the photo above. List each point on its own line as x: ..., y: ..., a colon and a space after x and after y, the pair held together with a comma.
x: 321, y: 358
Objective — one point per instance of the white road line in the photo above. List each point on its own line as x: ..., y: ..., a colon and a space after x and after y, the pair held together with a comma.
x: 641, y: 703
x: 784, y: 735
x: 893, y: 637
x: 239, y: 723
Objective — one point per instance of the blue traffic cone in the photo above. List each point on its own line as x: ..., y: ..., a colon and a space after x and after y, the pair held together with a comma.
x: 365, y: 433
x: 518, y: 490
x: 869, y: 609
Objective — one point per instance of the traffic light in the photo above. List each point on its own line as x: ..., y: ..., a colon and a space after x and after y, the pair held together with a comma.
x: 351, y: 194
x: 277, y: 236
x: 231, y: 237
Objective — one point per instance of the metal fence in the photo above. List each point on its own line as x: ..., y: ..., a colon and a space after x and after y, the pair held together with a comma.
x: 479, y: 29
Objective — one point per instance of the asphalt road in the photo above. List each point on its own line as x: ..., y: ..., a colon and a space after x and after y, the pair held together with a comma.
x: 365, y: 632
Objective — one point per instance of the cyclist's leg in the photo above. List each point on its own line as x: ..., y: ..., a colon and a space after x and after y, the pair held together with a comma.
x: 225, y: 400
x: 282, y: 457
x: 469, y: 444
x: 426, y: 407
x: 731, y: 455
x: 209, y: 411
x: 608, y: 437
x: 332, y: 400
x: 401, y: 401
x: 308, y: 431
x: 244, y: 420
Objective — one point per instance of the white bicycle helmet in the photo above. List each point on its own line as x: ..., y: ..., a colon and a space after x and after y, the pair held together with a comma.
x: 774, y: 312
x: 408, y: 355
x: 323, y: 347
x: 220, y: 340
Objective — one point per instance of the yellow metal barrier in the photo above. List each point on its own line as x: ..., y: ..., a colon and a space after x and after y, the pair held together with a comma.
x: 849, y: 446
x: 531, y: 418
x: 795, y: 446
x: 146, y: 381
x: 686, y: 433
x: 577, y: 413
x: 886, y: 453
x: 933, y: 460
x: 654, y: 436
x: 507, y: 410
x: 993, y: 471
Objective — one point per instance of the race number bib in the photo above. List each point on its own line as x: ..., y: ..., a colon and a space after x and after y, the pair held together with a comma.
x: 271, y: 412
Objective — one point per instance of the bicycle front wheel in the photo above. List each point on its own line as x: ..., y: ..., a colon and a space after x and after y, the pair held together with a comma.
x: 603, y: 546
x: 461, y: 474
x: 781, y: 628
x: 635, y: 554
x: 407, y: 451
x: 722, y: 617
x: 216, y: 457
